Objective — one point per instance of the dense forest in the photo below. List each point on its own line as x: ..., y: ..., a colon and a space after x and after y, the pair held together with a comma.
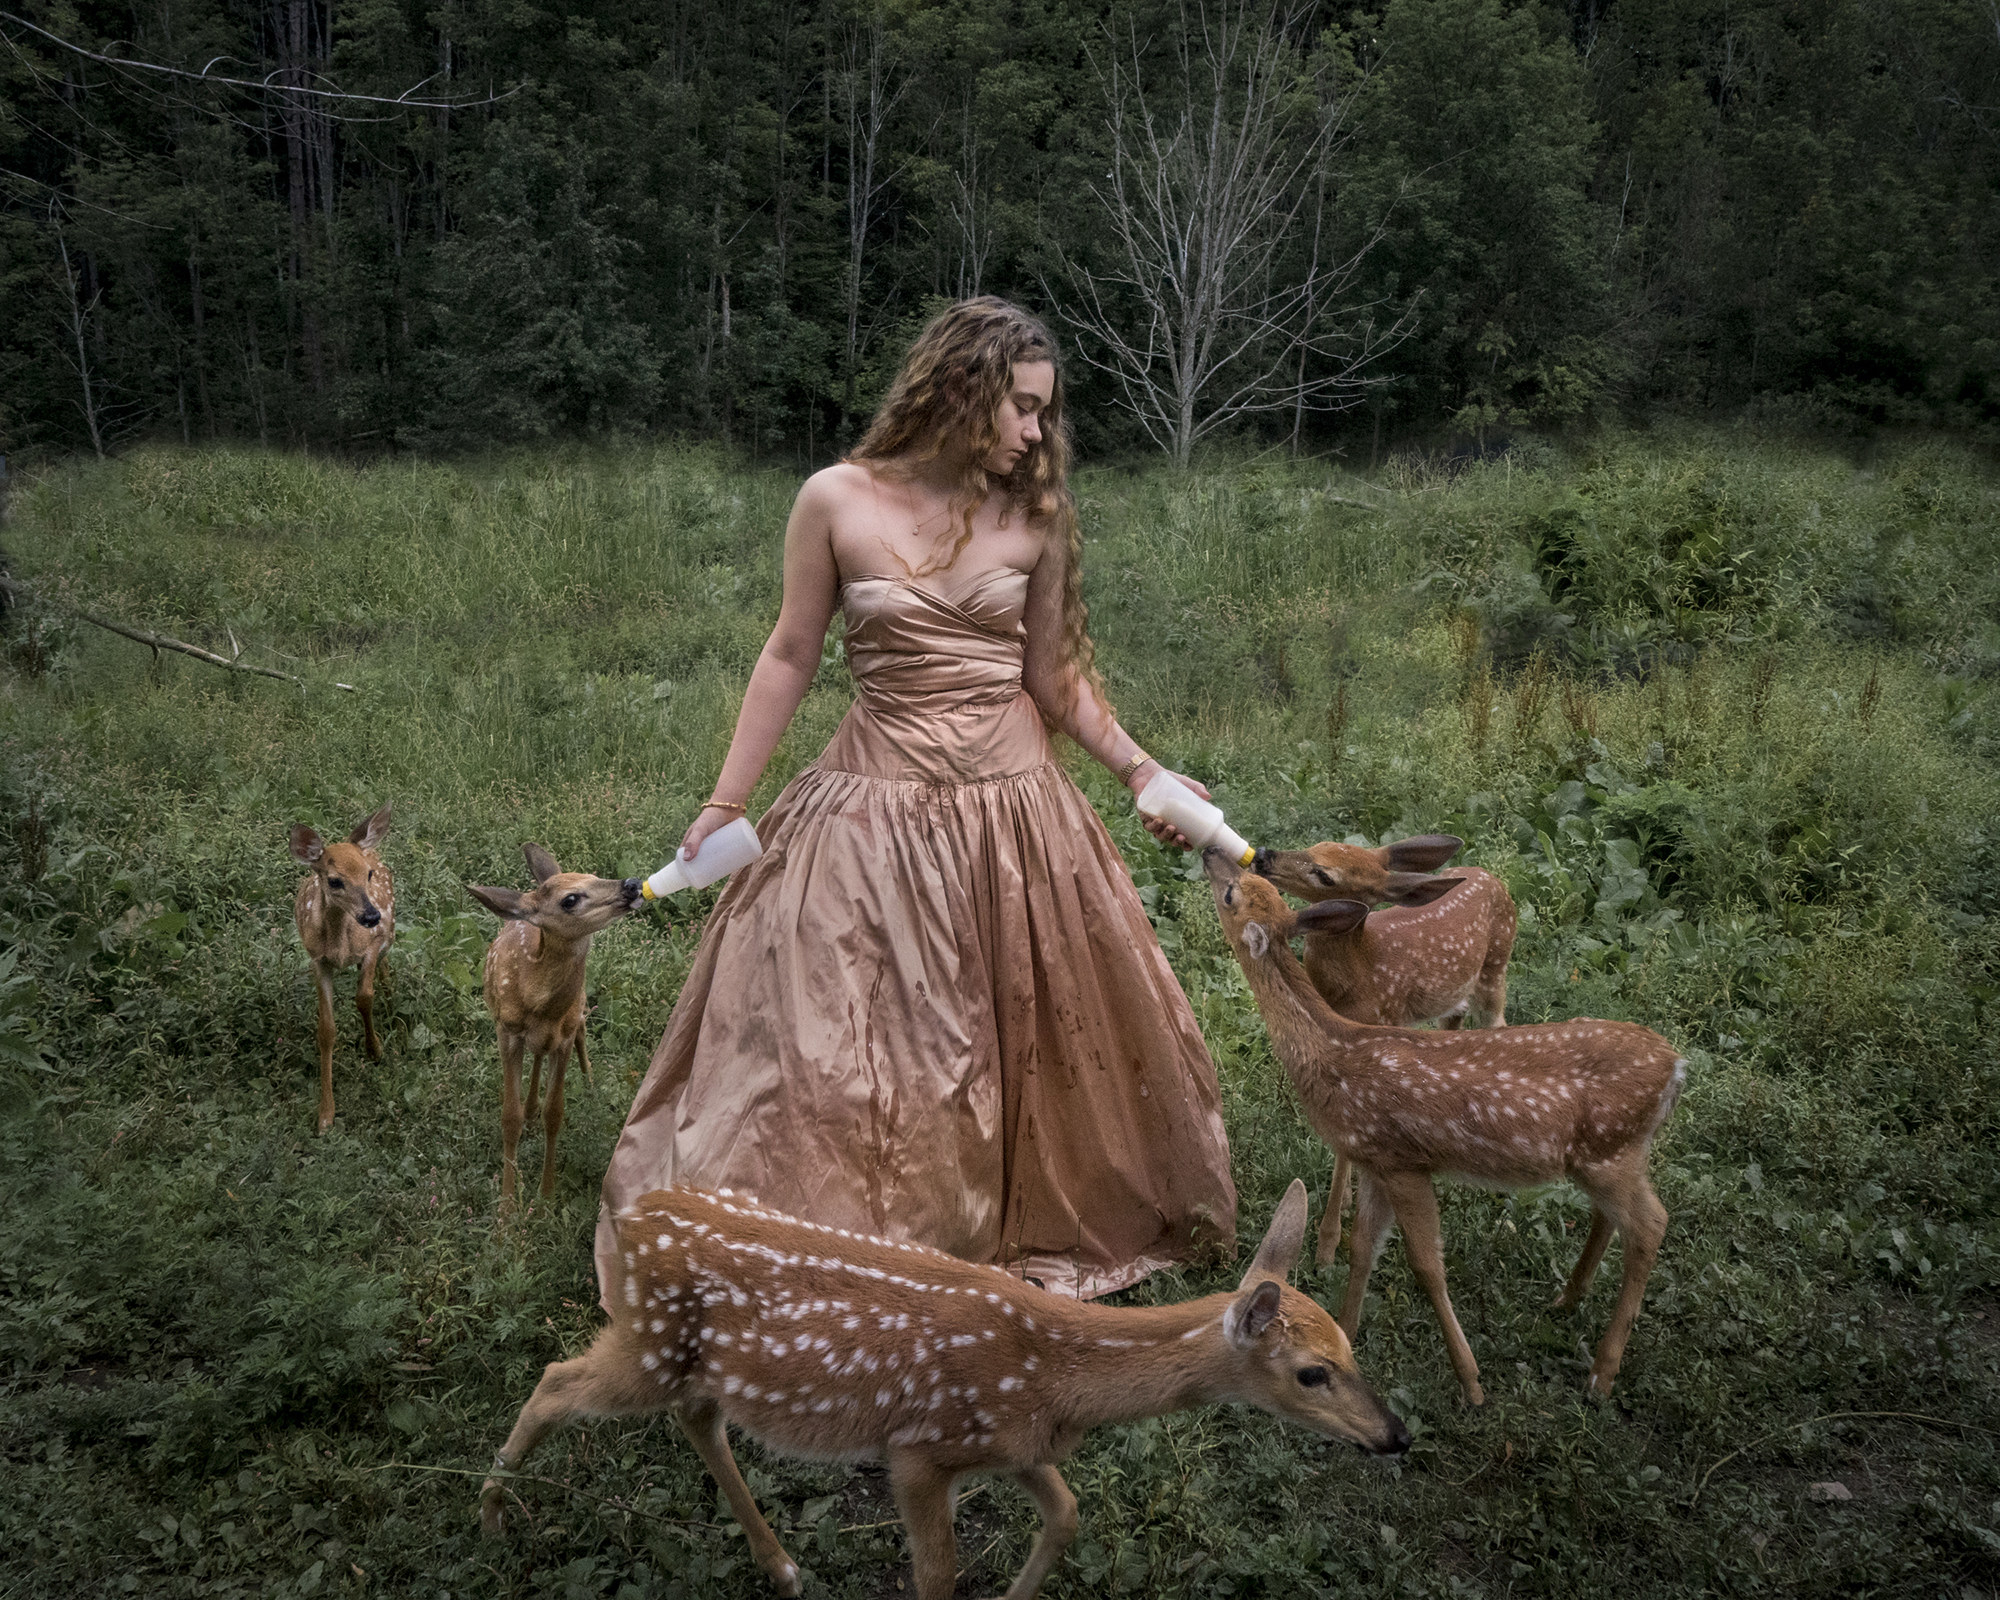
x: 434, y: 223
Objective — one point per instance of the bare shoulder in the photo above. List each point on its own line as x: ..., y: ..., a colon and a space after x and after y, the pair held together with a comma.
x: 1047, y: 547
x: 833, y: 487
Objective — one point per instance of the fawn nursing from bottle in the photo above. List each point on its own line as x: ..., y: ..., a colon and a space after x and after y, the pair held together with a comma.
x: 1167, y: 798
x: 731, y: 846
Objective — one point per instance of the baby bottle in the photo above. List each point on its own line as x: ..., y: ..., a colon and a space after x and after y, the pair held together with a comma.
x: 1172, y: 801
x: 722, y: 852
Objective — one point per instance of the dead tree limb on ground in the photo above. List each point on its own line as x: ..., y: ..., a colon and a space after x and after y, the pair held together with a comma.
x: 17, y: 591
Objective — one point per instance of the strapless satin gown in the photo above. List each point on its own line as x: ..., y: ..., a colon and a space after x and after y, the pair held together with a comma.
x: 934, y: 1009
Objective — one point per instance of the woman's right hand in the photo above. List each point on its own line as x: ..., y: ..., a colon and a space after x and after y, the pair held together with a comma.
x: 711, y: 818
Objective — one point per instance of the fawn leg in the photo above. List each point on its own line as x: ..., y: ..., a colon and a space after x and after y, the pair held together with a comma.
x: 1491, y: 991
x: 511, y: 1117
x: 568, y: 1389
x: 323, y: 975
x: 1417, y: 1210
x: 924, y: 1497
x: 1586, y: 1264
x: 1057, y: 1505
x: 552, y: 1117
x: 583, y: 1059
x: 364, y: 1002
x: 1328, y: 1244
x: 1372, y: 1216
x: 1637, y: 1214
x: 535, y: 1088
x: 701, y: 1421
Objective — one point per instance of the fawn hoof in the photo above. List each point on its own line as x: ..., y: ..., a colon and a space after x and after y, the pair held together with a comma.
x: 784, y: 1576
x: 1599, y: 1387
x: 491, y: 1522
x: 325, y: 1118
x: 1474, y: 1395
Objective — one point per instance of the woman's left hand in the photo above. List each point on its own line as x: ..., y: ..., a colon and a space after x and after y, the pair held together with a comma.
x: 1160, y: 829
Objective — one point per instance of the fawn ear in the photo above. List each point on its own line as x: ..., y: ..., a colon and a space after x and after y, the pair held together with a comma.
x: 1417, y: 888
x: 541, y: 865
x: 370, y: 832
x: 1333, y: 916
x: 1243, y: 1324
x: 1425, y: 853
x: 507, y: 904
x: 1279, y: 1252
x: 306, y: 844
x: 1256, y: 939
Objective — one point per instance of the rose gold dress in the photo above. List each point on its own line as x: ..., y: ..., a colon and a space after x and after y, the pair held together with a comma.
x: 933, y: 1009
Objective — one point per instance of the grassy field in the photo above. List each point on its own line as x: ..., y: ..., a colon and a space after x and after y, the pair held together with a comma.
x: 1720, y: 711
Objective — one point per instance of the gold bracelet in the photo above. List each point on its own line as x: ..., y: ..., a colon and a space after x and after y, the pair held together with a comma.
x: 712, y: 804
x: 1139, y: 759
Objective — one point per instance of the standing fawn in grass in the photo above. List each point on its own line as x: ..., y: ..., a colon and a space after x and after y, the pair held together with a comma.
x: 345, y: 909
x: 1507, y: 1109
x: 534, y: 988
x: 1439, y: 954
x: 827, y: 1344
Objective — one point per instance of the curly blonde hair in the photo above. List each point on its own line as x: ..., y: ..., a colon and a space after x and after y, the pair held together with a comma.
x: 947, y: 397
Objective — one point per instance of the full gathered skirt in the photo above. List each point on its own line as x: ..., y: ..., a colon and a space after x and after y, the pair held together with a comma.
x: 934, y: 1010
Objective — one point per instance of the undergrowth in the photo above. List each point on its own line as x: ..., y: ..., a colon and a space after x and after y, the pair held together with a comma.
x: 1720, y: 712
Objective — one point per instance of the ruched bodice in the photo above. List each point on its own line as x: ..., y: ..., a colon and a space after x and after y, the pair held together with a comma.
x: 934, y: 1009
x: 938, y: 695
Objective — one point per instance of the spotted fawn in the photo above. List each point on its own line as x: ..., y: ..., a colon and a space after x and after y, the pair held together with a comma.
x: 827, y: 1344
x: 1438, y: 955
x: 345, y: 909
x: 1506, y: 1109
x: 534, y: 988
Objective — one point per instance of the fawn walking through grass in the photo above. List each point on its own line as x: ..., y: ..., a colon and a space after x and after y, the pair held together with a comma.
x: 823, y: 1343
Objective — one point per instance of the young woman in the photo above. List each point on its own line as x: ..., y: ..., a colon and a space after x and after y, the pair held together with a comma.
x: 934, y: 1008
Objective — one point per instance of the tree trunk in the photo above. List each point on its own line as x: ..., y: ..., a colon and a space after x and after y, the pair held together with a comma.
x: 77, y: 315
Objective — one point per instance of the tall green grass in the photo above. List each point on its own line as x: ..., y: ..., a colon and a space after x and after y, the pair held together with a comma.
x: 1719, y: 710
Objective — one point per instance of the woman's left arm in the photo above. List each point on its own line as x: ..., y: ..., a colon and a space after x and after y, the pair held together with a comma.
x: 1067, y: 699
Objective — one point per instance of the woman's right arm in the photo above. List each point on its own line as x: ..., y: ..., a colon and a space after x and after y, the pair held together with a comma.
x: 790, y: 657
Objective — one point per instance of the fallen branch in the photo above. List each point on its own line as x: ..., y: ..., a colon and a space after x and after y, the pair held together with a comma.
x: 155, y: 641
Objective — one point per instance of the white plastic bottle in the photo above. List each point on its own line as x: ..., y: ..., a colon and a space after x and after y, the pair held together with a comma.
x: 733, y: 845
x: 1167, y: 798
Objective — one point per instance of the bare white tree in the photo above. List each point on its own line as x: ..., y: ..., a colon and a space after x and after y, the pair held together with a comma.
x: 971, y: 203
x: 79, y: 311
x: 870, y: 86
x: 1219, y: 298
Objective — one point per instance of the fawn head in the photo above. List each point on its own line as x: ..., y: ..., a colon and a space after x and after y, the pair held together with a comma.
x: 570, y: 905
x: 345, y: 871
x: 1297, y: 1364
x: 1254, y: 915
x: 1350, y: 872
